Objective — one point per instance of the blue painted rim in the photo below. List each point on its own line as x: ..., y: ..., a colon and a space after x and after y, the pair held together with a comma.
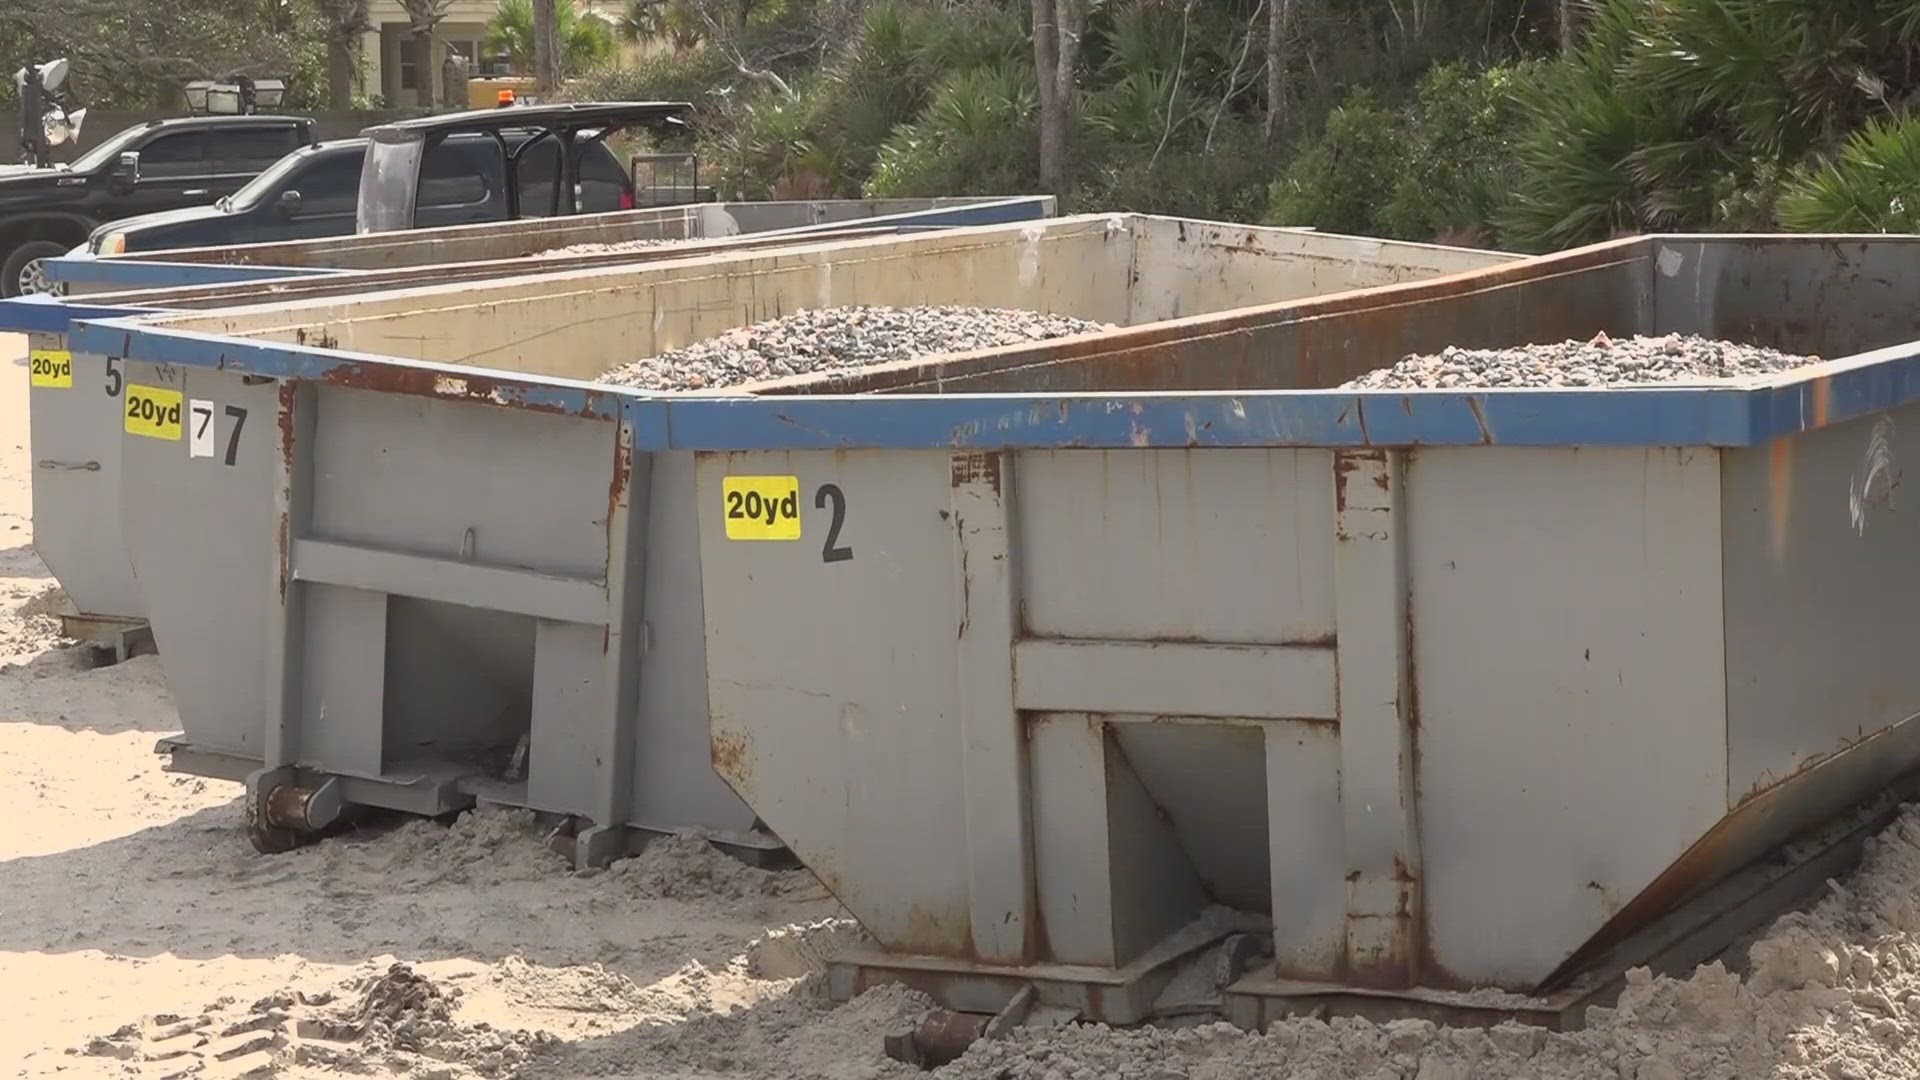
x: 1744, y: 414
x: 44, y: 314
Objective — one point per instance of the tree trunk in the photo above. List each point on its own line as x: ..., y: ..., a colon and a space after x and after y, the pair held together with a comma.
x: 546, y: 50
x: 430, y: 75
x: 1057, y: 29
x: 339, y: 74
x: 1279, y: 24
x: 1568, y: 32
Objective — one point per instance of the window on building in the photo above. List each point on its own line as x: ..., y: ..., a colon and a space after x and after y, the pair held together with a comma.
x: 413, y: 62
x: 480, y: 63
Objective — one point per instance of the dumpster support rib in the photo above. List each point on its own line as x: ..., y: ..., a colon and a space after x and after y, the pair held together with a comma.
x: 625, y: 639
x: 994, y: 761
x: 1378, y: 722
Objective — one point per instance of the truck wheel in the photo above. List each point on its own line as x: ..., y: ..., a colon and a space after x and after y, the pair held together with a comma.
x: 24, y: 270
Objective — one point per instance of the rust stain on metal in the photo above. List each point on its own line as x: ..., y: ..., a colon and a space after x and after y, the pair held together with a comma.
x: 941, y: 1037
x: 1779, y: 494
x: 617, y: 496
x: 471, y: 385
x: 283, y: 529
x: 1822, y: 400
x: 286, y: 807
x: 977, y: 468
x: 733, y: 759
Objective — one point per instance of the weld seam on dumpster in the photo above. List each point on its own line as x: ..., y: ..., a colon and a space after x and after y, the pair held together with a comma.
x: 522, y: 592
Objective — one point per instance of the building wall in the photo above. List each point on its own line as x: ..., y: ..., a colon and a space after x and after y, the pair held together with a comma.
x: 397, y: 63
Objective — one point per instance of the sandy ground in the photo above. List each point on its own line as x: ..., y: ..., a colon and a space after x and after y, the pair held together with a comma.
x: 140, y: 936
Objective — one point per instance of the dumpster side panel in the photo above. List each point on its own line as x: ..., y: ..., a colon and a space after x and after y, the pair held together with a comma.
x: 1825, y: 296
x: 1567, y: 636
x: 76, y: 477
x: 1312, y: 344
x: 202, y: 543
x: 1199, y: 267
x: 1127, y: 545
x: 582, y: 325
x: 415, y: 474
x: 859, y: 775
x: 1821, y: 587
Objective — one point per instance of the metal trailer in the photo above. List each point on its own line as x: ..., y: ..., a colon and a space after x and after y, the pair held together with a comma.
x: 449, y: 558
x: 80, y: 274
x: 74, y: 409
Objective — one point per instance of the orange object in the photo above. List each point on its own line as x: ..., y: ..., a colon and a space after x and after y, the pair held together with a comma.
x: 505, y: 99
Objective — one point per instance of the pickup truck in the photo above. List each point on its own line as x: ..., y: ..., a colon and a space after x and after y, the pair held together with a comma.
x: 314, y: 192
x: 158, y: 165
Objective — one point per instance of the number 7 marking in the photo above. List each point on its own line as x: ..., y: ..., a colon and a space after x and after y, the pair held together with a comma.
x: 233, y: 437
x: 200, y: 440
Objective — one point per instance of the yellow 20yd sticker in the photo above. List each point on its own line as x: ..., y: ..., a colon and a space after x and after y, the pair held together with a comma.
x: 153, y: 411
x: 762, y: 507
x: 50, y: 368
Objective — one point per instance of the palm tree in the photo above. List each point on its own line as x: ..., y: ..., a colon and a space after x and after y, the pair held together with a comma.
x: 1689, y: 114
x: 585, y: 40
x: 652, y: 20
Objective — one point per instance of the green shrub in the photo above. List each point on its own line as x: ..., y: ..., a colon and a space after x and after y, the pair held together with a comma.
x: 1461, y: 160
x: 976, y: 136
x: 1339, y: 181
x: 1872, y: 185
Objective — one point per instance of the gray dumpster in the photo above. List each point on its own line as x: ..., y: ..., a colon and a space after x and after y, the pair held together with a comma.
x: 459, y: 577
x: 82, y: 274
x: 74, y: 409
x: 1455, y: 690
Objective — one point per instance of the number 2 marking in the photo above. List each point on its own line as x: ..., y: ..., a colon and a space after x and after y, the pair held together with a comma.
x: 832, y: 551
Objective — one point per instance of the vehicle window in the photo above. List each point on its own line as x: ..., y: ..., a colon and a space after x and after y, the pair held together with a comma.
x: 183, y: 153
x: 455, y: 174
x: 328, y: 184
x: 602, y: 180
x: 105, y: 152
x: 251, y: 149
x: 538, y: 170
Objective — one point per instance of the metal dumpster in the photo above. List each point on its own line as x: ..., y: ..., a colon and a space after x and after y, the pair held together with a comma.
x: 442, y: 551
x: 74, y: 410
x: 1456, y: 690
x: 80, y: 274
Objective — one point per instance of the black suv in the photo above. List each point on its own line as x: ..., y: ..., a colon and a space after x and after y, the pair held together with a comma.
x: 314, y: 192
x: 159, y: 165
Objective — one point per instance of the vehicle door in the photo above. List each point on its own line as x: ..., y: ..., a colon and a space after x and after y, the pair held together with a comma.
x: 460, y: 183
x: 317, y: 199
x: 176, y: 170
x: 243, y: 151
x: 601, y: 187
